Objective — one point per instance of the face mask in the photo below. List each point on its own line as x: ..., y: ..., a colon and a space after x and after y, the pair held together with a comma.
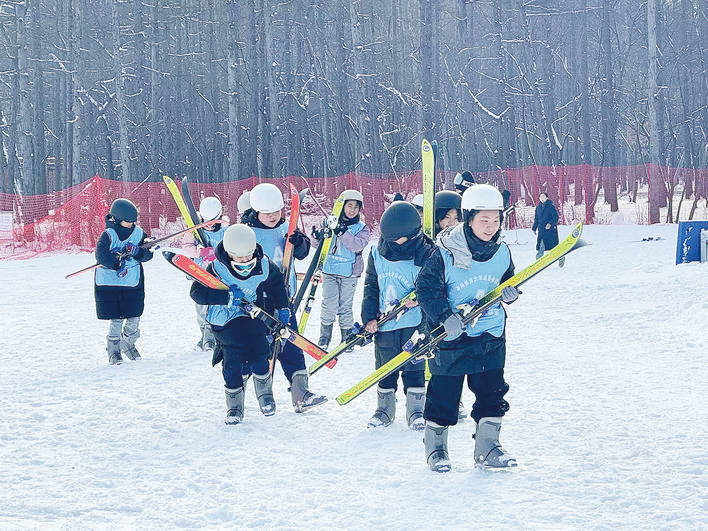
x: 244, y: 268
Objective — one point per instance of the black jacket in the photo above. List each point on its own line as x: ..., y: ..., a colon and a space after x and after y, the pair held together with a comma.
x: 119, y: 302
x: 418, y: 250
x: 270, y: 295
x: 301, y: 245
x: 464, y: 355
x: 546, y: 213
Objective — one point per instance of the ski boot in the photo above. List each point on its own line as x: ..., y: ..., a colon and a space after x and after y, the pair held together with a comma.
x: 129, y: 349
x: 488, y: 452
x: 208, y: 341
x: 234, y: 406
x: 263, y: 385
x: 345, y: 332
x: 325, y: 335
x: 415, y: 399
x: 113, y: 349
x: 435, y: 440
x: 303, y: 398
x: 385, y: 409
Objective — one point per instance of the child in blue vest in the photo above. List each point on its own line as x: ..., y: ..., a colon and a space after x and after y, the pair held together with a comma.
x: 251, y: 276
x: 266, y: 220
x: 203, y: 253
x: 343, y: 267
x: 391, y: 272
x: 470, y: 261
x: 119, y: 284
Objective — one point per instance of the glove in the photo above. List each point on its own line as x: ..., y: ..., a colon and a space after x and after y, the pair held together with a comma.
x: 121, y: 268
x: 207, y: 254
x: 296, y: 238
x: 235, y: 295
x: 340, y: 229
x: 453, y: 326
x: 318, y: 234
x: 130, y: 249
x: 509, y: 294
x: 283, y: 315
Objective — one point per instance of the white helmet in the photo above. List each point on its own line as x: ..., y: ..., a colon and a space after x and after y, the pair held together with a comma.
x: 352, y: 195
x: 239, y: 240
x: 243, y: 202
x: 266, y: 198
x: 418, y: 201
x: 482, y: 197
x: 210, y: 208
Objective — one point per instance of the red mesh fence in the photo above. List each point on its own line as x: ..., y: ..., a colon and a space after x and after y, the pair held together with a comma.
x: 73, y: 219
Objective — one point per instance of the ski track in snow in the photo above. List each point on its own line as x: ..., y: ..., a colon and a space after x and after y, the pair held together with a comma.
x: 607, y: 419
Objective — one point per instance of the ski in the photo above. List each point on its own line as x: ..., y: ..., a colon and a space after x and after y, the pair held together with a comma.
x: 428, y: 156
x: 331, y: 223
x: 285, y: 333
x: 287, y: 262
x: 360, y: 336
x: 428, y: 163
x: 279, y: 330
x: 147, y: 245
x: 181, y: 205
x: 187, y: 196
x: 419, y: 348
x: 307, y: 277
x: 288, y: 251
x: 194, y: 270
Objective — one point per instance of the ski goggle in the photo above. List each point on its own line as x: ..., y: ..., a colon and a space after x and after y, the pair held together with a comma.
x: 244, y: 268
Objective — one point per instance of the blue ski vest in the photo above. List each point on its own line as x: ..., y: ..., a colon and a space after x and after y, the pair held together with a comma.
x: 109, y: 277
x: 340, y: 260
x: 214, y: 238
x: 219, y: 315
x: 463, y: 285
x: 273, y: 243
x: 396, y: 280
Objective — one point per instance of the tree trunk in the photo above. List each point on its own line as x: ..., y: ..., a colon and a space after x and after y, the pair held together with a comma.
x: 120, y: 95
x: 655, y: 181
x: 25, y: 155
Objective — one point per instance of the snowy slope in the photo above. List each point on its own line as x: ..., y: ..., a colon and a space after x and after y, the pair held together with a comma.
x: 606, y: 362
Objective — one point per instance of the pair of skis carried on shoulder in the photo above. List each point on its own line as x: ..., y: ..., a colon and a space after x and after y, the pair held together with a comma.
x: 279, y: 331
x: 421, y: 346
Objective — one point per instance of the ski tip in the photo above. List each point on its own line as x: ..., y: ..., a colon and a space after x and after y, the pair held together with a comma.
x: 581, y: 243
x: 168, y: 255
x: 167, y: 179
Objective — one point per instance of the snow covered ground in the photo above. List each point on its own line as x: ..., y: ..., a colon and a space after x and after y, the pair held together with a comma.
x: 608, y: 421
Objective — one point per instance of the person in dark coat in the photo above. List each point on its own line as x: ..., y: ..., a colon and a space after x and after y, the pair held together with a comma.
x: 545, y: 221
x: 251, y: 276
x: 391, y: 271
x: 469, y: 262
x: 119, y: 281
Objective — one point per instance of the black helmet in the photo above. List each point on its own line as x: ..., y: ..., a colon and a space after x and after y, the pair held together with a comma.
x: 124, y: 210
x: 399, y: 219
x: 446, y: 200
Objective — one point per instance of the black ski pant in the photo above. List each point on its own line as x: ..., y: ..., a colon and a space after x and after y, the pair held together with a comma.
x: 291, y: 358
x: 243, y: 343
x: 387, y: 346
x: 442, y: 398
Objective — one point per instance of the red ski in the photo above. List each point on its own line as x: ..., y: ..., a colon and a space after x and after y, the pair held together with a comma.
x: 278, y: 330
